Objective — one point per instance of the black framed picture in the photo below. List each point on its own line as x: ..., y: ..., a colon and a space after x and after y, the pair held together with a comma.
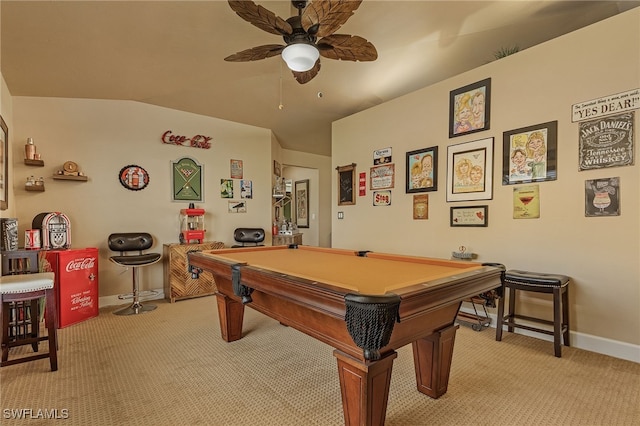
x: 422, y: 170
x: 470, y: 108
x: 530, y: 154
x: 470, y: 216
x: 470, y: 171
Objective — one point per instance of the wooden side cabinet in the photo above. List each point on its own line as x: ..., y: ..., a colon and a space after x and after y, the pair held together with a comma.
x: 285, y: 240
x: 178, y: 283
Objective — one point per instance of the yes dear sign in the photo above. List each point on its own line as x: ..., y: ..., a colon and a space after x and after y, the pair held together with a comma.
x: 620, y: 102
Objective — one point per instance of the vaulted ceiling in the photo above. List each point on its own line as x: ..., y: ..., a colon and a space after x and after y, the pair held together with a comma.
x: 170, y: 53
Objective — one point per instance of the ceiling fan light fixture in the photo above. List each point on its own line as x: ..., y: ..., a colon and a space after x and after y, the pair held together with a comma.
x: 300, y: 57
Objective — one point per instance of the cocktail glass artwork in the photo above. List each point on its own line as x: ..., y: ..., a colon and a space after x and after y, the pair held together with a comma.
x: 601, y: 200
x: 525, y: 199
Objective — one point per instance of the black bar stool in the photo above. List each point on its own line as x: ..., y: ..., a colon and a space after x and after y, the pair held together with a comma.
x: 558, y: 285
x: 131, y: 246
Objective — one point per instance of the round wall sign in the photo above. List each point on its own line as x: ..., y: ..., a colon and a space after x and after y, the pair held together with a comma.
x: 133, y: 177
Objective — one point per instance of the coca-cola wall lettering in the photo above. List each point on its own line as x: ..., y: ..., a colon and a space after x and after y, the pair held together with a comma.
x: 197, y: 141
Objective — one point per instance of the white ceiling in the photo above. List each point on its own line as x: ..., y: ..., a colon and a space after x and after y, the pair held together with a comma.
x: 170, y: 53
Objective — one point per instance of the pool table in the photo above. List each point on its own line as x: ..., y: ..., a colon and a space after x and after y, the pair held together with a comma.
x: 364, y: 304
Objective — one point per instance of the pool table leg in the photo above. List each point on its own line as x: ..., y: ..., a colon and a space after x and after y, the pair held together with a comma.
x: 365, y: 388
x: 432, y: 357
x: 230, y: 314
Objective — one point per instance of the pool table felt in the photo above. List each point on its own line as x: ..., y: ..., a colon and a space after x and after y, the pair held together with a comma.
x: 373, y: 275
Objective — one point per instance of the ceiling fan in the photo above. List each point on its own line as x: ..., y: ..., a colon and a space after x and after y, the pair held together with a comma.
x: 308, y: 35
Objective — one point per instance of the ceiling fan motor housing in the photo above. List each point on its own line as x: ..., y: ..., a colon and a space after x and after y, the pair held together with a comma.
x: 299, y: 35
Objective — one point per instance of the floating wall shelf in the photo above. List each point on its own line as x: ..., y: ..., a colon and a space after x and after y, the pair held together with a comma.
x: 76, y: 178
x: 37, y: 163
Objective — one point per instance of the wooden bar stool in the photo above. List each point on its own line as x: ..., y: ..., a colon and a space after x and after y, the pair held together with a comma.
x: 27, y: 288
x: 558, y: 285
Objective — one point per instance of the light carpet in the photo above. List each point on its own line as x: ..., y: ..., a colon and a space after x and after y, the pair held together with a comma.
x: 171, y: 367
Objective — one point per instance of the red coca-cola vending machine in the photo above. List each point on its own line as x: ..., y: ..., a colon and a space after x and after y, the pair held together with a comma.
x: 76, y: 284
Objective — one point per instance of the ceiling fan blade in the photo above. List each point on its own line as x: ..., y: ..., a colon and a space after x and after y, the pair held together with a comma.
x: 307, y: 76
x: 256, y: 53
x: 328, y: 14
x: 347, y: 48
x: 261, y: 17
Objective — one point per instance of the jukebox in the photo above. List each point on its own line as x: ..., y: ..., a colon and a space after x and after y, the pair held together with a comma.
x: 55, y: 230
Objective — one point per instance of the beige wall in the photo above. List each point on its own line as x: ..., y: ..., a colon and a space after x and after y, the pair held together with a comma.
x: 534, y: 86
x: 6, y: 110
x: 104, y: 136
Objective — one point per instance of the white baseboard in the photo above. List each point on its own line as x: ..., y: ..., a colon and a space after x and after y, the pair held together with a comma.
x: 587, y: 342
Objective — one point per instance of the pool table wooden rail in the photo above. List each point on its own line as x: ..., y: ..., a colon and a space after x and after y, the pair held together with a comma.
x: 427, y: 314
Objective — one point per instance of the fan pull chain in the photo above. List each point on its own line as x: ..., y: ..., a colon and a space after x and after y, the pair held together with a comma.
x: 280, y: 105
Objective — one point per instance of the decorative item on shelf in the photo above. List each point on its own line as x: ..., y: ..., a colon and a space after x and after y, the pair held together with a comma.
x: 70, y: 171
x: 286, y: 228
x: 192, y: 225
x: 32, y: 239
x: 278, y: 188
x: 36, y: 161
x: 30, y: 149
x: 55, y: 230
x: 34, y: 184
x: 463, y: 254
x: 8, y: 234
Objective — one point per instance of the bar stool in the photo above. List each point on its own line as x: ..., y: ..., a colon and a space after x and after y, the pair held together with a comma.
x: 27, y: 288
x: 127, y: 243
x: 558, y: 285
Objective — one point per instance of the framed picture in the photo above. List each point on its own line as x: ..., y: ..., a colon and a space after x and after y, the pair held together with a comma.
x: 237, y: 206
x: 526, y: 202
x: 246, y: 189
x: 382, y: 177
x: 302, y: 203
x: 470, y: 171
x: 4, y: 165
x: 606, y: 141
x: 226, y: 188
x: 276, y: 168
x: 602, y: 197
x: 422, y: 170
x: 382, y: 198
x: 421, y: 206
x: 470, y: 108
x: 186, y: 174
x: 236, y: 169
x: 469, y: 216
x: 382, y: 156
x: 346, y: 185
x: 530, y: 154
